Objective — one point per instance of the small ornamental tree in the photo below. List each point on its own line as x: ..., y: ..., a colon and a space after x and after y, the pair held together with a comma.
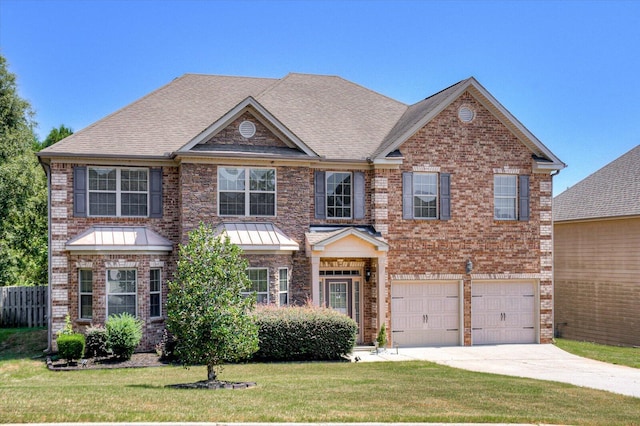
x: 206, y: 310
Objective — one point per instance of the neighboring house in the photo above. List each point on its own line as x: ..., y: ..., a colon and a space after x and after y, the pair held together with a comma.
x: 597, y: 255
x: 433, y: 218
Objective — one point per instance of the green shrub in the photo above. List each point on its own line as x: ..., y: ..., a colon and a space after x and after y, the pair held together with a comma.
x: 124, y: 333
x: 70, y: 346
x: 382, y: 337
x: 304, y: 334
x: 96, y: 341
x: 166, y: 348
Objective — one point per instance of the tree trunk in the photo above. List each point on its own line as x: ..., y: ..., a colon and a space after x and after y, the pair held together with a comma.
x: 211, y: 372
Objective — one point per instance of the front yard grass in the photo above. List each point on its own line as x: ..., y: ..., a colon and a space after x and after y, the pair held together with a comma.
x: 612, y: 354
x: 301, y: 392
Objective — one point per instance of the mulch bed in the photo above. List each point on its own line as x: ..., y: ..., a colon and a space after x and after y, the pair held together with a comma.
x: 141, y: 360
x: 138, y: 360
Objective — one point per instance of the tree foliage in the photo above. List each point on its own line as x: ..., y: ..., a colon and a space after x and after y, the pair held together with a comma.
x: 55, y: 135
x: 206, y: 310
x: 23, y: 194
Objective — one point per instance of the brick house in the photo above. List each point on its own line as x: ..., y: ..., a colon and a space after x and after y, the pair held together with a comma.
x: 597, y: 255
x: 433, y: 218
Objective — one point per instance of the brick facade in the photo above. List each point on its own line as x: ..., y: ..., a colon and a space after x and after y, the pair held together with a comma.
x: 472, y: 153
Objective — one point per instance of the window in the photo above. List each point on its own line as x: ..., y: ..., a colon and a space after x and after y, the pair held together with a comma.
x: 154, y: 293
x: 505, y: 190
x: 246, y: 192
x: 118, y: 191
x: 425, y: 195
x: 259, y: 278
x: 121, y: 291
x: 283, y: 282
x: 85, y: 278
x: 338, y: 195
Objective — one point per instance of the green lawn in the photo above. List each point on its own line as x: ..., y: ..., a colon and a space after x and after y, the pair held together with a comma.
x: 301, y: 392
x: 612, y: 354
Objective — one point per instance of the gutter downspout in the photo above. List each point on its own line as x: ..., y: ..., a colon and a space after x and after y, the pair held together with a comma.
x: 47, y: 171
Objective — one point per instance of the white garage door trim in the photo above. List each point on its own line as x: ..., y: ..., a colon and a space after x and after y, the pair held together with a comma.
x: 427, y: 316
x: 505, y: 312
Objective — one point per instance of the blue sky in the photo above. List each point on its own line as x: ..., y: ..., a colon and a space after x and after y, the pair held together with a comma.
x: 567, y: 70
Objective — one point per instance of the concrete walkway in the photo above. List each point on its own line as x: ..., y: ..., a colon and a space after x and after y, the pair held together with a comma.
x: 542, y: 362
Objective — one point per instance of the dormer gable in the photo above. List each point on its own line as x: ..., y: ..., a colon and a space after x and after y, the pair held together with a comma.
x: 248, y: 129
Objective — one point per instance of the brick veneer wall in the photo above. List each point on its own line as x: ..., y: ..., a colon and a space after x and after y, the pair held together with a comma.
x: 472, y: 153
x: 64, y: 268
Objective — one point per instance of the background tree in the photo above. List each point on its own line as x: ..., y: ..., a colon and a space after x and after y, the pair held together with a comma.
x: 206, y: 311
x: 23, y: 194
x: 55, y: 135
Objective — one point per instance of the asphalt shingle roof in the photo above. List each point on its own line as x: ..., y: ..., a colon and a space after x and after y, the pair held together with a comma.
x: 612, y: 191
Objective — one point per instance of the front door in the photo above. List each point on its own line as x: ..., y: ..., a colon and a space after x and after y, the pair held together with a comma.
x: 339, y: 295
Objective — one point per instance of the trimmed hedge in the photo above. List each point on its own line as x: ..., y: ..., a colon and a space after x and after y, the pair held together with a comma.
x: 303, y: 334
x: 70, y: 346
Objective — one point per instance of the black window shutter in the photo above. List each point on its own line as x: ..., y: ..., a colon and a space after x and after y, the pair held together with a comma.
x: 445, y: 196
x: 319, y: 192
x: 523, y: 197
x: 155, y: 193
x: 359, y: 195
x: 80, y: 191
x: 407, y: 195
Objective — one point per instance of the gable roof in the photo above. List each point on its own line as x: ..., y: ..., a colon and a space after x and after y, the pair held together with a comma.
x: 612, y: 191
x: 320, y: 116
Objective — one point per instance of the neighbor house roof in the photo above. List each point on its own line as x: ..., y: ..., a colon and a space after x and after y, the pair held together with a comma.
x: 323, y: 117
x: 612, y: 191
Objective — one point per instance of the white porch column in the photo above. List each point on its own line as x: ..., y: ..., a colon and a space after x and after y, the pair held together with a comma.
x: 382, y: 289
x: 315, y: 280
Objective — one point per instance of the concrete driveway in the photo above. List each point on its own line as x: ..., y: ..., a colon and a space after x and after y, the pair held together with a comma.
x: 542, y: 362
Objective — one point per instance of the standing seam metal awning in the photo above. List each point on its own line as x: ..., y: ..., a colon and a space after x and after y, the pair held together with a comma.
x: 120, y: 239
x: 252, y: 237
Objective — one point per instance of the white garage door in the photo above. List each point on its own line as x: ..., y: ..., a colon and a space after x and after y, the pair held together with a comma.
x: 425, y: 314
x: 502, y: 313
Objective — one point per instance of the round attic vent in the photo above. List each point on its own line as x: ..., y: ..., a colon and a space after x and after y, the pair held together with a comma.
x: 247, y: 129
x: 466, y: 114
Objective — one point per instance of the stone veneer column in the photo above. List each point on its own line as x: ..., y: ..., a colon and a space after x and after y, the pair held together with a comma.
x: 546, y: 262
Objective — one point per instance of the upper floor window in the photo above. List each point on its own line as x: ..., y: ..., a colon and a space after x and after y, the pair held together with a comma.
x: 511, y: 197
x: 505, y: 193
x: 259, y: 278
x: 339, y: 194
x: 118, y: 191
x: 425, y: 195
x: 246, y: 191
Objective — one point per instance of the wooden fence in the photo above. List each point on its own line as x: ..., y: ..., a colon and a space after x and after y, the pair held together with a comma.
x: 23, y: 306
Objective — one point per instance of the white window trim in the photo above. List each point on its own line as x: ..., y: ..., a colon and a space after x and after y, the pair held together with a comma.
x: 248, y: 293
x: 158, y: 292
x: 120, y: 294
x: 280, y: 292
x: 515, y: 197
x: 247, y: 191
x: 326, y: 196
x: 117, y: 191
x: 84, y: 293
x: 437, y: 195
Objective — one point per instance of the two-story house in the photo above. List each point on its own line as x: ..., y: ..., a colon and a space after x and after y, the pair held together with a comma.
x: 433, y: 218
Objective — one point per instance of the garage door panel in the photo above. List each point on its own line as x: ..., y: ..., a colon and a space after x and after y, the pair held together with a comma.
x: 503, y: 313
x: 425, y: 314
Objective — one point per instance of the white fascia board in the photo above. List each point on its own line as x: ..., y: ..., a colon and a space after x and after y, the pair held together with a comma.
x: 90, y: 249
x: 238, y: 110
